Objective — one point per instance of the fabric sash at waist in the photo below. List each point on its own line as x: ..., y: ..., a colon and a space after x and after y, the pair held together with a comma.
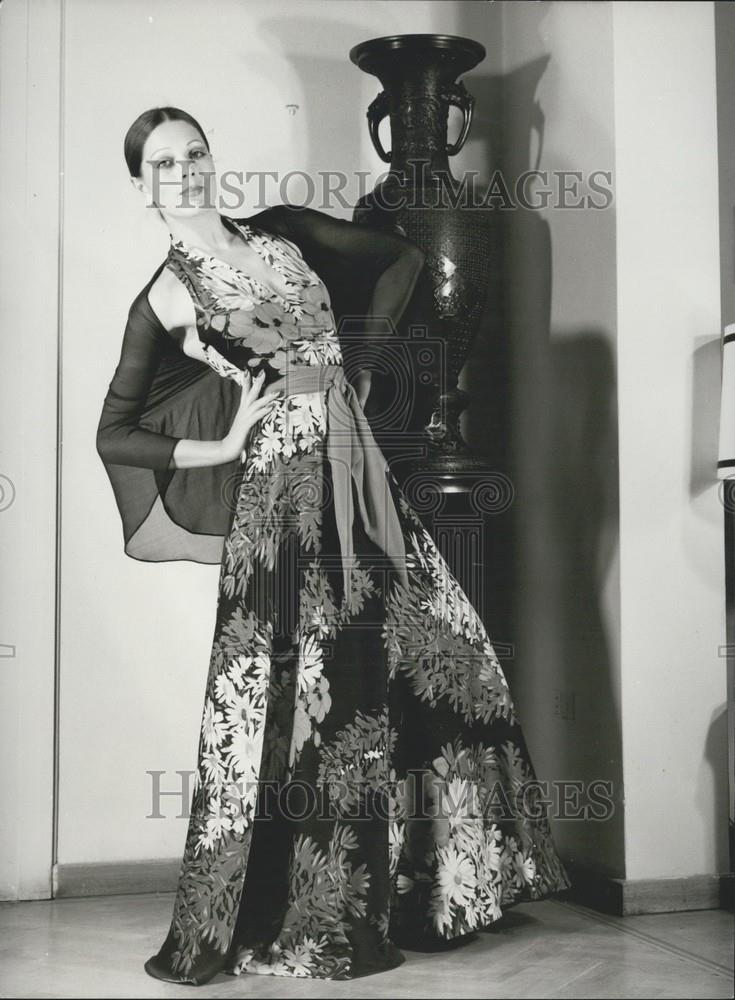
x: 353, y: 455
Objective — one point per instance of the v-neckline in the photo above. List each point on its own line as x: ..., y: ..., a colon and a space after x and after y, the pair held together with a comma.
x: 247, y: 232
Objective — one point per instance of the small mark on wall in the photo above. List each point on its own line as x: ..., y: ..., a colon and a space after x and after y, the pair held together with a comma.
x: 564, y: 706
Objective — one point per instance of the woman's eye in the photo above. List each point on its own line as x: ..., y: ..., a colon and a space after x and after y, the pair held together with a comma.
x: 198, y: 152
x: 162, y: 163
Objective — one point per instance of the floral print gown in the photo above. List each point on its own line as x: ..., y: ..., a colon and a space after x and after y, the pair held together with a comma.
x: 359, y: 759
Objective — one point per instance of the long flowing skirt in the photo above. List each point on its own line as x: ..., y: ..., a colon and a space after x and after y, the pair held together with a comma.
x: 362, y: 782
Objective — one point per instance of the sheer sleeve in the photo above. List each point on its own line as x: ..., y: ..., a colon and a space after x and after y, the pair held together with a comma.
x: 158, y: 395
x: 121, y: 439
x: 372, y: 273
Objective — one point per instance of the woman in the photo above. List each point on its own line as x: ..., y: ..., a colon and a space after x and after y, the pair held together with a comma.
x: 357, y: 726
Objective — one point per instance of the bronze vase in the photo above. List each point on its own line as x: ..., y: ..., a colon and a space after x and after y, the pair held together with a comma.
x: 420, y: 198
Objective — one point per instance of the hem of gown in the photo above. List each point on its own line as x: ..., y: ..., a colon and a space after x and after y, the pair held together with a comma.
x: 398, y: 959
x: 427, y: 940
x: 150, y: 968
x: 421, y: 942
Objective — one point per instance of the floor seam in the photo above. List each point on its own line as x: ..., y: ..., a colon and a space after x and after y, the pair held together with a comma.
x: 648, y: 938
x: 566, y: 983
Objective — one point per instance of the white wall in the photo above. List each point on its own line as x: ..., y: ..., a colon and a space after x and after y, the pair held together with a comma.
x: 613, y: 320
x: 29, y: 206
x: 725, y: 42
x: 671, y: 526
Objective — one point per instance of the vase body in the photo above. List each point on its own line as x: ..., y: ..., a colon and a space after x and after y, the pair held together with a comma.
x: 421, y: 199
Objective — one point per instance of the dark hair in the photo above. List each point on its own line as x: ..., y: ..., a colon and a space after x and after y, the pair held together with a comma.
x: 142, y: 128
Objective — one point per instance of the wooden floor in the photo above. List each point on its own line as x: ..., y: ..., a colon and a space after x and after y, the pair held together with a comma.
x: 95, y: 947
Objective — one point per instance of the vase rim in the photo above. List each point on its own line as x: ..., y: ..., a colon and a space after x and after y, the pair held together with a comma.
x: 473, y: 52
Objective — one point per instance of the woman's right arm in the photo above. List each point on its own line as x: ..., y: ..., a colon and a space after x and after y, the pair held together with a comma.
x: 120, y: 438
x: 190, y: 454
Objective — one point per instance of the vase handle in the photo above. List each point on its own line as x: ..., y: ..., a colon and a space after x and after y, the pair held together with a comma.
x: 461, y: 98
x: 376, y: 112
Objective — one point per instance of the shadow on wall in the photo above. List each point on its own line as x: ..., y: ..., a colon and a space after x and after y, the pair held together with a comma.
x: 550, y: 404
x: 716, y: 755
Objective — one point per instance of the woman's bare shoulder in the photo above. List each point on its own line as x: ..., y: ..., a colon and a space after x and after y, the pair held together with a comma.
x: 170, y: 301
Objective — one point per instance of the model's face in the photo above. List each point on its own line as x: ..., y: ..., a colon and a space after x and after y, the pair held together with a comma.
x: 176, y: 172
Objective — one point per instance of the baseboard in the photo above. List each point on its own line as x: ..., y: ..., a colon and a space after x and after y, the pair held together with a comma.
x: 116, y: 878
x: 618, y: 896
x: 624, y: 897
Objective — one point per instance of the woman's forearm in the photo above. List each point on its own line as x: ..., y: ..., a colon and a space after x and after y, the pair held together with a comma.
x: 191, y: 454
